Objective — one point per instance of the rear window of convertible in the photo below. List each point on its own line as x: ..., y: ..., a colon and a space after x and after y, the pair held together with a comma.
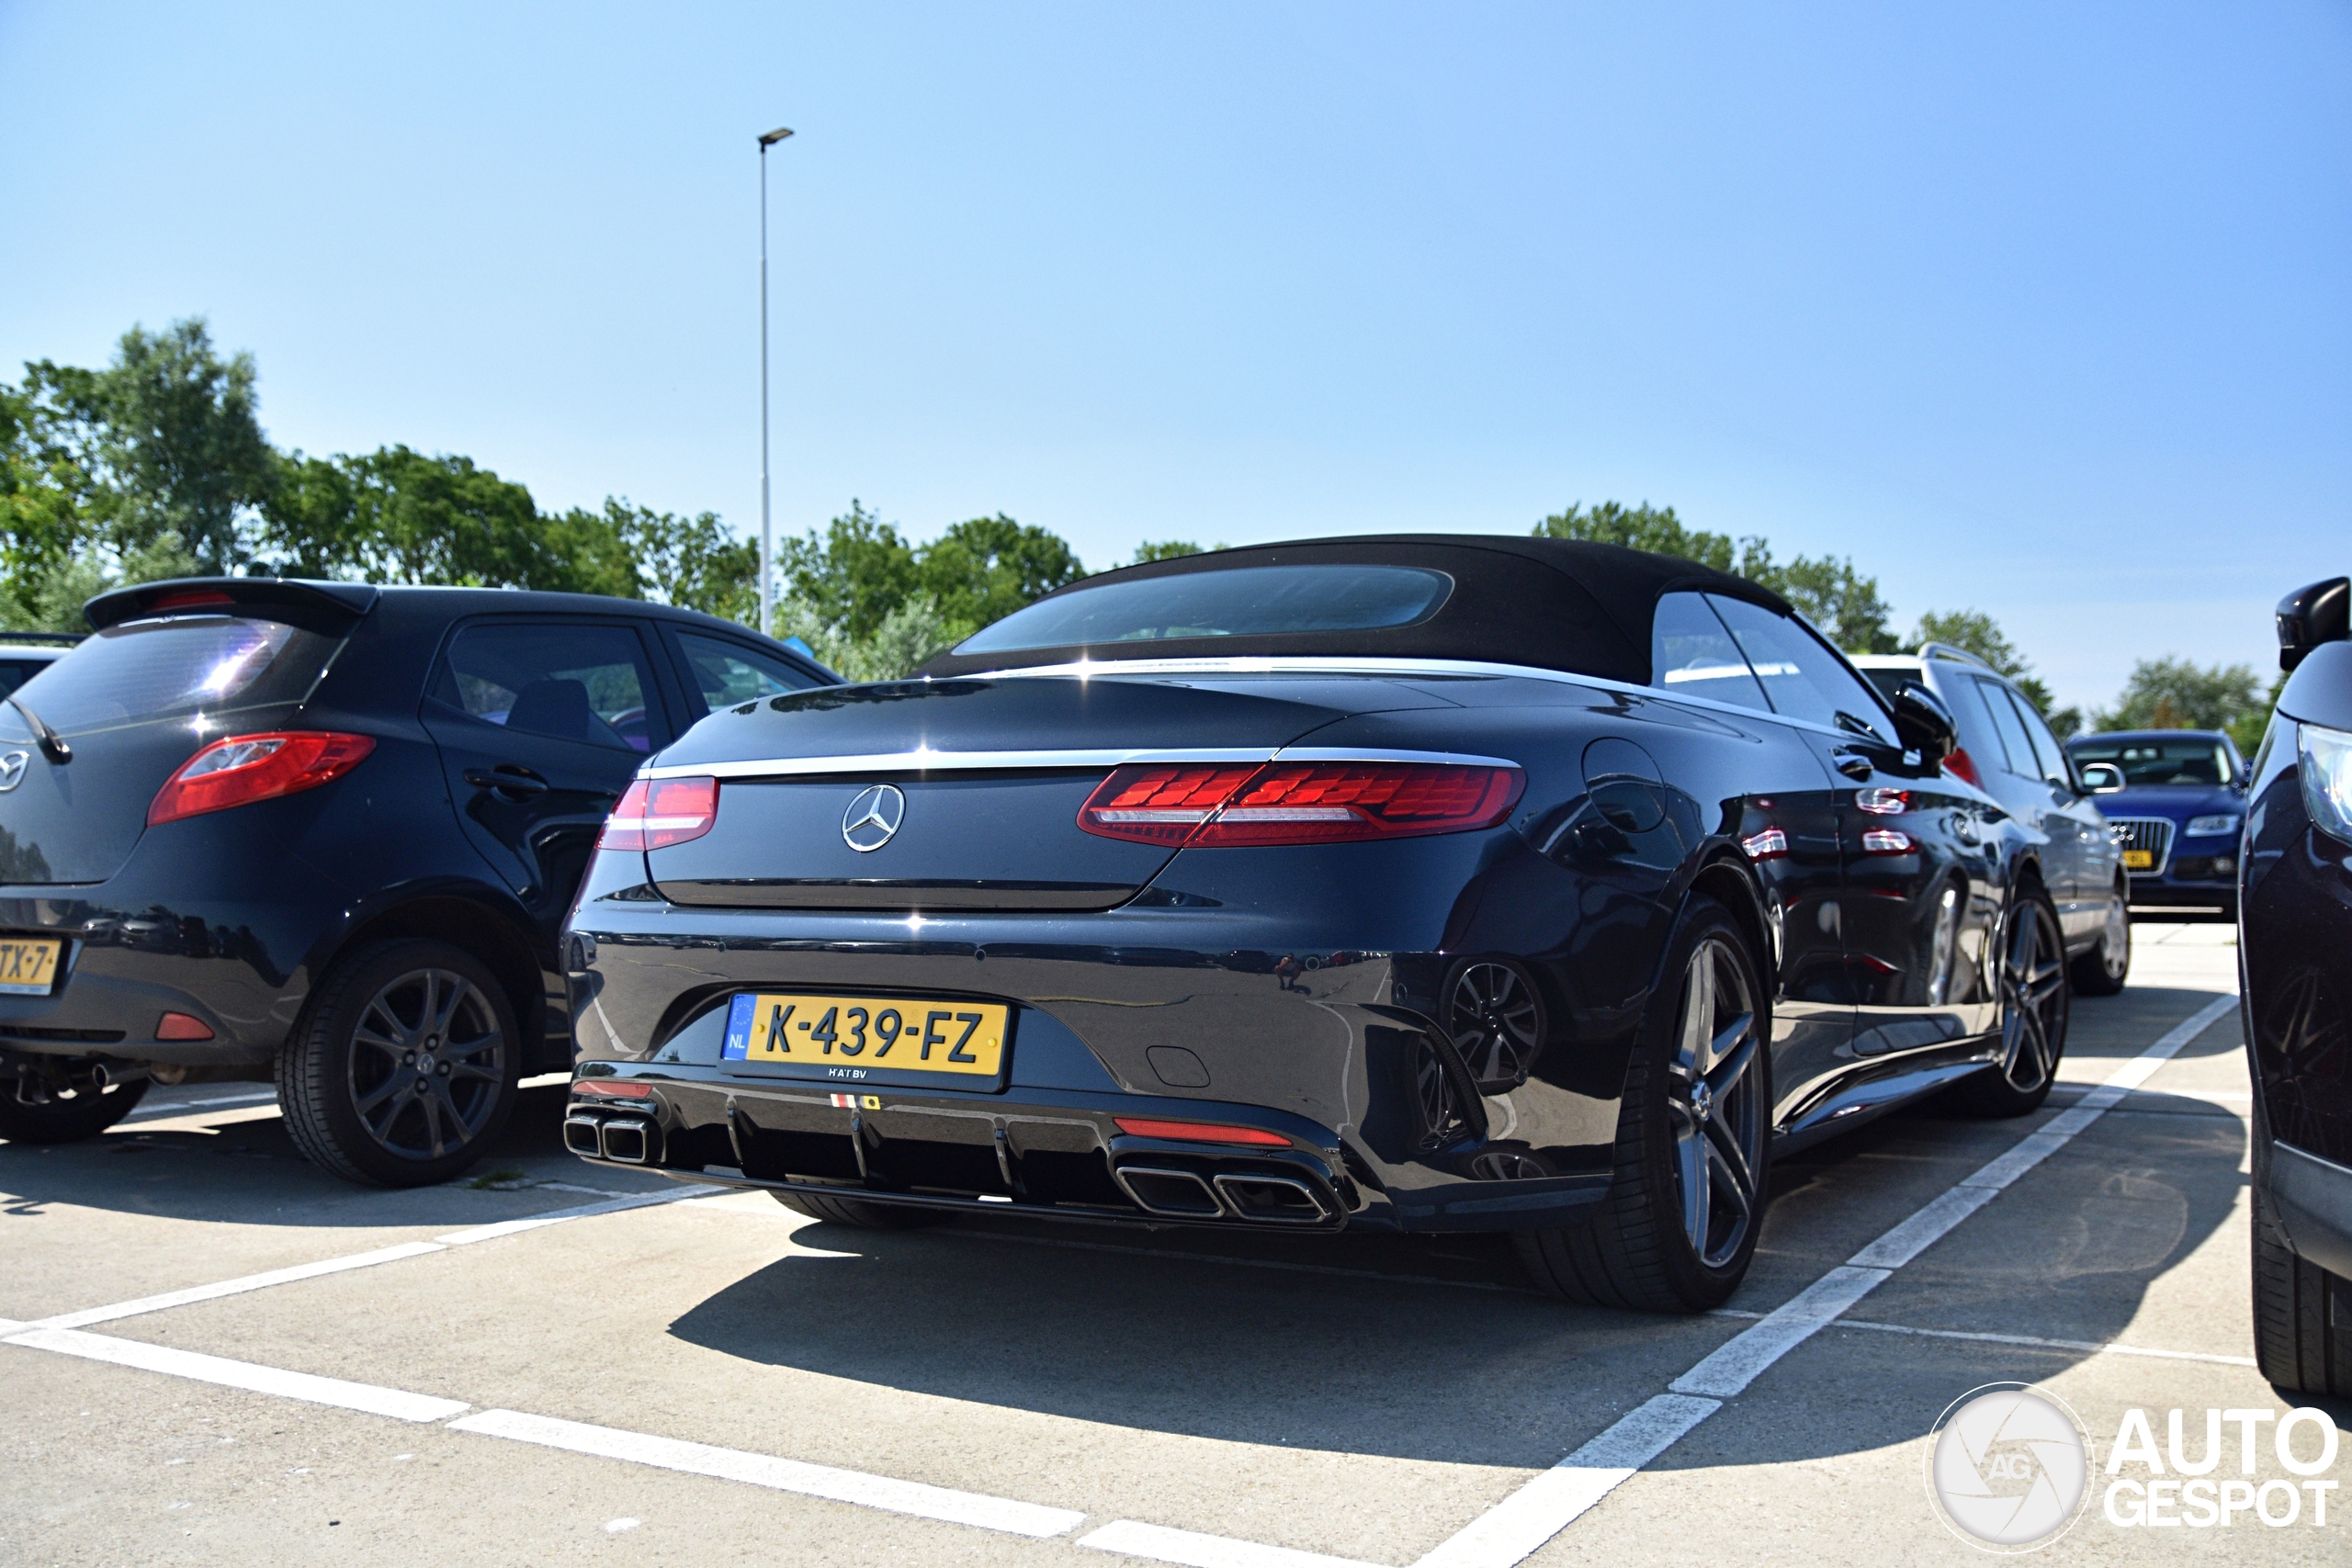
x: 1254, y: 600
x: 174, y: 666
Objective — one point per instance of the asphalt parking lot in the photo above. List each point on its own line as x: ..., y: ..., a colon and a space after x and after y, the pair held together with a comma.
x: 547, y: 1363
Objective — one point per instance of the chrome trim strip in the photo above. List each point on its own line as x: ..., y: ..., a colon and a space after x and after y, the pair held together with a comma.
x: 926, y: 762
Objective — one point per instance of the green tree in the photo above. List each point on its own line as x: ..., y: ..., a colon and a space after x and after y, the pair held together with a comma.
x: 1828, y: 592
x: 1168, y: 549
x: 2179, y: 693
x: 983, y: 569
x: 1973, y: 631
x: 852, y: 577
x: 696, y: 563
x: 164, y: 441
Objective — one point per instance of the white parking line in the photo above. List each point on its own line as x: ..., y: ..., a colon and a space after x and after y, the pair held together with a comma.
x: 1194, y: 1551
x: 1520, y: 1524
x: 239, y: 1286
x: 2031, y: 1342
x: 395, y: 1402
x: 155, y: 1111
x: 781, y: 1474
x: 610, y: 1206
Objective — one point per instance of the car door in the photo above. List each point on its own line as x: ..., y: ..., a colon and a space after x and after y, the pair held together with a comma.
x: 1787, y: 823
x: 2078, y: 837
x: 540, y: 722
x: 2039, y: 800
x: 1921, y: 882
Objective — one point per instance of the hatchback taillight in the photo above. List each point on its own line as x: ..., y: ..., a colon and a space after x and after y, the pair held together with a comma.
x: 241, y: 768
x: 654, y: 813
x: 1216, y: 805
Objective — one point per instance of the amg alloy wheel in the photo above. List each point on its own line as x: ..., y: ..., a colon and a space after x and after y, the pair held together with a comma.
x: 2033, y: 1014
x: 1693, y: 1142
x: 404, y: 1067
x: 2102, y: 970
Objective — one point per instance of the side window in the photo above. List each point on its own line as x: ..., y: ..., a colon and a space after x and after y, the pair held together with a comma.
x: 2047, y: 753
x: 15, y: 672
x: 1804, y: 679
x: 2021, y: 758
x: 729, y: 673
x: 1693, y: 656
x: 581, y: 681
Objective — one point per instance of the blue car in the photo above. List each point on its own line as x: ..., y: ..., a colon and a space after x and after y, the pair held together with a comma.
x: 2177, y: 801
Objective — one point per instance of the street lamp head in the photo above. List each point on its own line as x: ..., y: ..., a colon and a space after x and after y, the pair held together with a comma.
x: 773, y: 137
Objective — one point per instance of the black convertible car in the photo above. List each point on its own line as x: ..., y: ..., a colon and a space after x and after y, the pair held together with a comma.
x: 1410, y: 883
x: 2295, y: 930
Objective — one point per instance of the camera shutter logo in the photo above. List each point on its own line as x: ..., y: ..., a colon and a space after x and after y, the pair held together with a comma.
x: 2009, y: 1467
x: 873, y: 817
x: 12, y: 769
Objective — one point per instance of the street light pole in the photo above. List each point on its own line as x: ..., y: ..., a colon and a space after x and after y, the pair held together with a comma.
x: 767, y: 529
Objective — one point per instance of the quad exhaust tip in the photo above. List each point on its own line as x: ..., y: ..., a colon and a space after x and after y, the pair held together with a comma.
x: 623, y: 1140
x: 1258, y: 1197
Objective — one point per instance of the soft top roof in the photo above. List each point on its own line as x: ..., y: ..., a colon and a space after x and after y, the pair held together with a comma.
x: 1552, y: 603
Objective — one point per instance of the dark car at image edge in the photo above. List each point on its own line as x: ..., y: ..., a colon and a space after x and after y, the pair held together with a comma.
x: 1431, y: 882
x: 325, y: 834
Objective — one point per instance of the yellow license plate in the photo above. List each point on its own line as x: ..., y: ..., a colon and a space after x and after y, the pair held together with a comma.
x: 28, y: 965
x: 2138, y: 860
x: 854, y: 1039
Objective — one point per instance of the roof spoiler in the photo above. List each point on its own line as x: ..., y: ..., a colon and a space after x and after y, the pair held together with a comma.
x: 322, y: 606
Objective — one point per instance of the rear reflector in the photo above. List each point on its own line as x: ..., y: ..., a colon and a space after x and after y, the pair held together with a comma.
x: 1219, y: 806
x: 653, y: 816
x: 242, y: 769
x: 1198, y: 1132
x: 619, y: 1088
x: 180, y: 1026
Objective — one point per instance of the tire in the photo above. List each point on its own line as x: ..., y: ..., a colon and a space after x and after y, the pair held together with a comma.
x: 2302, y: 1316
x: 2102, y: 970
x: 2032, y: 987
x: 54, y: 1120
x: 344, y: 1078
x: 857, y: 1213
x: 1678, y: 1227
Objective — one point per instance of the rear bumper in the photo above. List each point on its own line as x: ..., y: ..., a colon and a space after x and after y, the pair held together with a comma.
x: 1054, y: 1154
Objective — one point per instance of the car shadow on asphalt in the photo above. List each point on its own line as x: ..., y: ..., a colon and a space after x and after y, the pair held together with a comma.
x: 235, y: 1164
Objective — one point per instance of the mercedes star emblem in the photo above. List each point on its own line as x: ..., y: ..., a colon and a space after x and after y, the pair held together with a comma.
x: 873, y: 817
x: 12, y: 769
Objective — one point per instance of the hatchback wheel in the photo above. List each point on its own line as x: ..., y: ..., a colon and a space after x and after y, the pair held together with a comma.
x: 62, y: 1120
x: 403, y: 1067
x: 2102, y: 970
x: 1680, y: 1224
x: 2032, y: 988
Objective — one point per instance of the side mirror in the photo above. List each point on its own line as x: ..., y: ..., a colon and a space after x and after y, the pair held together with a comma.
x: 2310, y: 617
x: 2102, y: 778
x: 1922, y: 722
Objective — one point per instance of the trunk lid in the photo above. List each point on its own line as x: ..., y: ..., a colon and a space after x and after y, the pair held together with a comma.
x: 988, y: 776
x: 133, y: 702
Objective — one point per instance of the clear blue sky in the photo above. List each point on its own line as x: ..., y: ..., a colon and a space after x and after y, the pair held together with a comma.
x: 2042, y: 309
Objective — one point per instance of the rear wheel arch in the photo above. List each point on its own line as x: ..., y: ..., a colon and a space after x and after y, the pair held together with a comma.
x: 1727, y: 883
x: 488, y: 934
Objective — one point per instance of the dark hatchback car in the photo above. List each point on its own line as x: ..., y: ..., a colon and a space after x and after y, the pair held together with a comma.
x: 327, y: 833
x: 1411, y: 884
x: 2177, y: 816
x: 2295, y: 953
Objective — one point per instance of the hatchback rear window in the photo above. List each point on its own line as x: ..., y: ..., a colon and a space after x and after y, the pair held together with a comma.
x: 1253, y: 601
x: 175, y: 666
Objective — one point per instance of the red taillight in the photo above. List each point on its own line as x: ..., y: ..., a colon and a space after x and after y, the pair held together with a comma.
x: 181, y: 1026
x: 1198, y: 1132
x: 1961, y: 765
x: 188, y: 598
x: 655, y: 814
x: 619, y: 1088
x: 1212, y: 805
x: 243, y: 769
x: 1887, y: 841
